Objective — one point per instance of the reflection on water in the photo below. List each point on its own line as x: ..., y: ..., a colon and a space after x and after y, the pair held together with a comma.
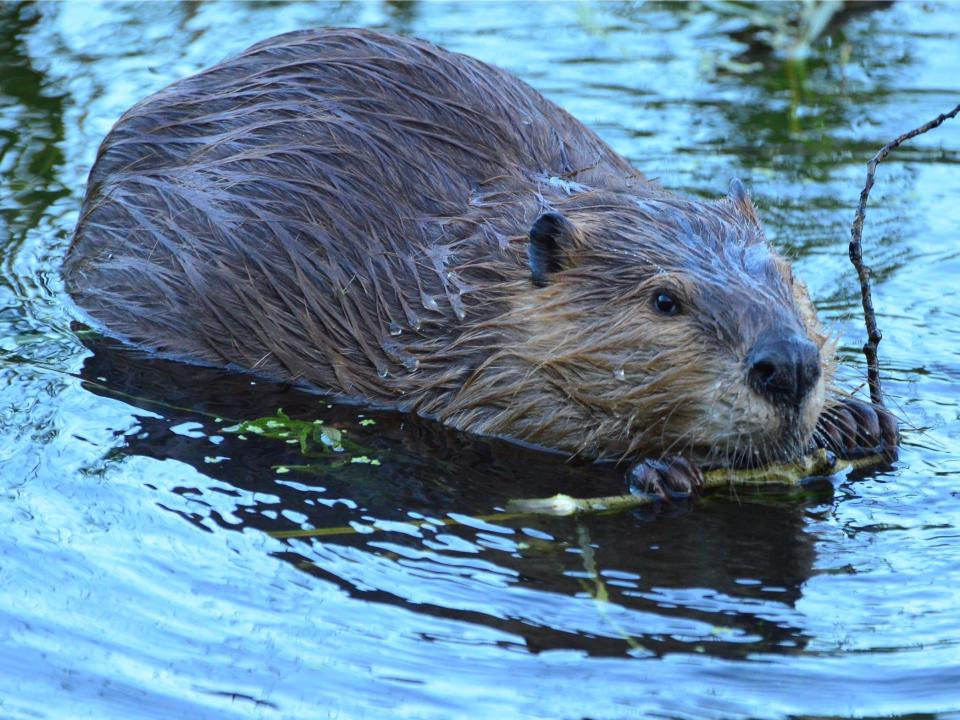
x: 431, y: 490
x: 158, y: 558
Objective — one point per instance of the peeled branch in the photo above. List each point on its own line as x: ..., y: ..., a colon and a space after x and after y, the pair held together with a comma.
x: 816, y: 464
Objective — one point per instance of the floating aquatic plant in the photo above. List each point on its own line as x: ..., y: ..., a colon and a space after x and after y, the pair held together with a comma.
x: 314, y: 437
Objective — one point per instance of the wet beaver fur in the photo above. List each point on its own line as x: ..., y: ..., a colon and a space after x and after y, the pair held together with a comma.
x: 382, y: 219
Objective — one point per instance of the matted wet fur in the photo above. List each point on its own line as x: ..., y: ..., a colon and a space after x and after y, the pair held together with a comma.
x: 354, y: 211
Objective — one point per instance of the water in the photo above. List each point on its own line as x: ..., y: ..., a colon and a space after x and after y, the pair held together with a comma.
x: 158, y: 561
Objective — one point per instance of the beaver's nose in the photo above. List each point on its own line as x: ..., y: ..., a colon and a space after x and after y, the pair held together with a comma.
x: 784, y: 367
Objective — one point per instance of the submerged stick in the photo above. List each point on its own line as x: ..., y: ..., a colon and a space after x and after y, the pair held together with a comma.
x: 856, y: 255
x: 817, y: 463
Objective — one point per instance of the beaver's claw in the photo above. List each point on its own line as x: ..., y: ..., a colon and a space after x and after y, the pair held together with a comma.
x: 669, y: 478
x: 854, y: 429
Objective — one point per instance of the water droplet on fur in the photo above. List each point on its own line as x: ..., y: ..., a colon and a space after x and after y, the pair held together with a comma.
x: 457, y: 304
x: 395, y: 352
x: 412, y: 320
x: 428, y: 302
x: 395, y: 328
x: 382, y: 371
x: 619, y: 374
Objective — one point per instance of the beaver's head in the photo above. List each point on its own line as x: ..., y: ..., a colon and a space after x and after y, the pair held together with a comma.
x: 658, y: 324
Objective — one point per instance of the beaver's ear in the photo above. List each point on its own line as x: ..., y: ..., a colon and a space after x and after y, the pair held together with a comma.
x: 737, y: 195
x: 552, y: 236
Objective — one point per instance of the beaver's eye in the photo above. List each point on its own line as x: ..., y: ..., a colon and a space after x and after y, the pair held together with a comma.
x: 665, y: 303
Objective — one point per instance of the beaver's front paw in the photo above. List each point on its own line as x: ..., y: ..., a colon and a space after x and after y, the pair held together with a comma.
x: 854, y: 429
x: 669, y: 478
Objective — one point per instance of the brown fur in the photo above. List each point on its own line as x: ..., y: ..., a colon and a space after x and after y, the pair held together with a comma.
x: 350, y: 210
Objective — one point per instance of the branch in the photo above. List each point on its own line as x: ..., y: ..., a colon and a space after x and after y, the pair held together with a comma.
x: 856, y: 255
x: 819, y: 463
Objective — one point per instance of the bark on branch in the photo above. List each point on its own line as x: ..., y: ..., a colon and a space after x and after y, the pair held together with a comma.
x: 856, y: 254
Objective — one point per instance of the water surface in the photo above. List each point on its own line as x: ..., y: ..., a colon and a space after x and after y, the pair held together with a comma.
x: 159, y: 560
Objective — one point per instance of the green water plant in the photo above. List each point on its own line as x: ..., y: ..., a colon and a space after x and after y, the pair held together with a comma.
x: 314, y: 437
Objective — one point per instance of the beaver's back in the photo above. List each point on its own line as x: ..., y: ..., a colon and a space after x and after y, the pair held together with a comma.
x: 294, y: 207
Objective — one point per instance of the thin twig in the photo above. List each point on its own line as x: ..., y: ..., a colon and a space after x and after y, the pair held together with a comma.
x: 856, y: 255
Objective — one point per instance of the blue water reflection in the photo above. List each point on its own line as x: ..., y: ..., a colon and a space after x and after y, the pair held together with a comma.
x: 156, y: 562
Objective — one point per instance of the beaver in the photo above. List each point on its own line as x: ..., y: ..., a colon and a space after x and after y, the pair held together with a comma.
x: 382, y: 219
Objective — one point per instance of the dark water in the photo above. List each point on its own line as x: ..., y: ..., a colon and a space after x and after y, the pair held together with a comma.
x: 155, y: 562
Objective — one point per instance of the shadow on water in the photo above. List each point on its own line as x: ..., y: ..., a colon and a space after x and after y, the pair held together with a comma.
x: 426, y: 501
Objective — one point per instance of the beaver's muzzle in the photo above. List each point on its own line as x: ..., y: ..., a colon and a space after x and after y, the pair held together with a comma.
x: 783, y: 367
